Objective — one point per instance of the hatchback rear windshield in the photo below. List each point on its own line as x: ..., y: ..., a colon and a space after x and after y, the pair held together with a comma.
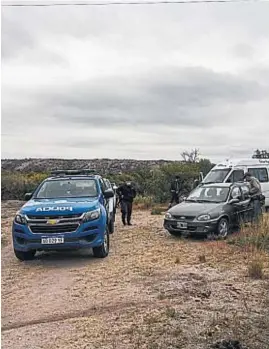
x: 67, y: 188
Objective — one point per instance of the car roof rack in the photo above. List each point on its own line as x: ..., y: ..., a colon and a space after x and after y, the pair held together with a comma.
x: 84, y: 172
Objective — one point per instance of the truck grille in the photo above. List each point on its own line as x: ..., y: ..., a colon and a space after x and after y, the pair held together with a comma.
x: 53, y: 229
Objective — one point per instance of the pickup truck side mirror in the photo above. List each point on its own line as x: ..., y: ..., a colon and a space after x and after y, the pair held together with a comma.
x: 109, y: 193
x: 28, y: 196
x: 234, y: 201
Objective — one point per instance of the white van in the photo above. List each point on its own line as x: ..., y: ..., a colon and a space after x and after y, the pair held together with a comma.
x: 233, y: 171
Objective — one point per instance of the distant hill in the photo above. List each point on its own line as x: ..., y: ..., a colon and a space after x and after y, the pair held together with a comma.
x: 112, y: 166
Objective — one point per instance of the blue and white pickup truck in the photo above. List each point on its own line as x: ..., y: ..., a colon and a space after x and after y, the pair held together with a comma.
x: 69, y: 210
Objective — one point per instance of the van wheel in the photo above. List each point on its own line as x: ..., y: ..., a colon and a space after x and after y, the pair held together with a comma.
x: 223, y: 228
x: 102, y: 250
x: 25, y: 256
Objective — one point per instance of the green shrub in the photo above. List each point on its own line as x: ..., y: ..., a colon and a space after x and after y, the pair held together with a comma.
x: 156, y: 211
x: 145, y: 202
x: 152, y: 184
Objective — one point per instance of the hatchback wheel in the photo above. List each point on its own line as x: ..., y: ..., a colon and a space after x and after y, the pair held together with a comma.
x: 223, y: 228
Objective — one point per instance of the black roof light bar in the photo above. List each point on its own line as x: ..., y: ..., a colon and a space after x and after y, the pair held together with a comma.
x: 72, y: 172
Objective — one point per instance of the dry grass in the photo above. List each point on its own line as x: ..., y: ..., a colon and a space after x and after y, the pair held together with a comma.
x: 254, y: 236
x: 254, y: 240
x: 256, y: 268
x: 152, y: 292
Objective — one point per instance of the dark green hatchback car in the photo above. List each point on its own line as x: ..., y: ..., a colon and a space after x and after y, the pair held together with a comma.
x: 210, y: 209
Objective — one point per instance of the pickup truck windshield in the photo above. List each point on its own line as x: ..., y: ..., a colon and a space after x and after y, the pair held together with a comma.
x: 67, y: 188
x: 217, y: 176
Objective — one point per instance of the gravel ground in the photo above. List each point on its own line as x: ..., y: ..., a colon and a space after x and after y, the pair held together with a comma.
x: 153, y: 291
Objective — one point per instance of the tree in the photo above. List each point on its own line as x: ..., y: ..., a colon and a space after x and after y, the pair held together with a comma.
x: 191, y: 156
x: 260, y: 154
x: 205, y: 166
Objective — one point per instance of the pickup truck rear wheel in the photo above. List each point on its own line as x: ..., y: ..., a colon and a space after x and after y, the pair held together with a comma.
x: 25, y: 256
x: 102, y: 250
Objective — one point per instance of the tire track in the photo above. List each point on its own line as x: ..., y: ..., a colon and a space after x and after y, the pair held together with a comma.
x: 78, y: 314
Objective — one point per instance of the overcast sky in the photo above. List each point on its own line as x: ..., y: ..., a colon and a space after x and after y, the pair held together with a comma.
x: 142, y: 82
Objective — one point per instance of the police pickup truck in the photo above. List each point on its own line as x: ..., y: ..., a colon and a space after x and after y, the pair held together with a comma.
x: 69, y: 210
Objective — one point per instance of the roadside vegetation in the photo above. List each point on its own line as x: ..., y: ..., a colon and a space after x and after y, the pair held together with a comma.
x: 153, y: 184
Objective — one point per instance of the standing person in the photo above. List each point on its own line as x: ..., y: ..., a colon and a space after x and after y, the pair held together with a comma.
x: 126, y: 193
x: 256, y: 194
x: 176, y: 187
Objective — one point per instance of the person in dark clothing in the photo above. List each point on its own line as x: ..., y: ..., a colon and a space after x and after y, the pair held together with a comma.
x: 126, y: 193
x: 256, y: 196
x: 176, y: 187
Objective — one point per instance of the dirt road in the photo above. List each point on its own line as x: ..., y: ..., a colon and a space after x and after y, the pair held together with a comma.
x: 153, y: 291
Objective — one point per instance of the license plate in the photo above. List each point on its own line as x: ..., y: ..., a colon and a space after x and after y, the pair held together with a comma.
x: 52, y: 241
x: 182, y: 225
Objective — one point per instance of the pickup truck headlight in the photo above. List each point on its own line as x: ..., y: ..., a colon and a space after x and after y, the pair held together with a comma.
x: 204, y: 217
x: 91, y: 215
x: 20, y: 219
x: 168, y: 216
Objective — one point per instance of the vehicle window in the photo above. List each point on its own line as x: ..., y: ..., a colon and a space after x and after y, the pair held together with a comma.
x: 102, y: 184
x: 209, y: 194
x: 260, y: 173
x: 236, y: 193
x: 236, y: 176
x: 217, y: 176
x: 67, y: 188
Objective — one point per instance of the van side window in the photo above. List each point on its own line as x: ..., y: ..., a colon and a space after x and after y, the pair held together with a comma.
x: 236, y: 176
x: 260, y: 173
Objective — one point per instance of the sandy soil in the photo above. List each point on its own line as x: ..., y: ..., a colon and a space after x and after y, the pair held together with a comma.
x: 154, y: 291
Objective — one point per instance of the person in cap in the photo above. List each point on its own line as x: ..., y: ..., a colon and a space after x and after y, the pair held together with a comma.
x: 175, y: 189
x: 126, y: 193
x: 255, y: 194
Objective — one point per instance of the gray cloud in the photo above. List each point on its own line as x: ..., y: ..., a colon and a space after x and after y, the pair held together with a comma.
x: 135, y: 82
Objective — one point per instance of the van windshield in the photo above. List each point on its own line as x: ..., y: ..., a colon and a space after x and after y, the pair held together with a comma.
x: 217, y: 176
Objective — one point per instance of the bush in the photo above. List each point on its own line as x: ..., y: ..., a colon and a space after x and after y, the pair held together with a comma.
x: 150, y: 183
x: 15, y: 185
x: 255, y: 269
x: 144, y: 202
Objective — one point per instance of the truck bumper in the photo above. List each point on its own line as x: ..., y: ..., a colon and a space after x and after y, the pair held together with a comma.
x: 24, y: 240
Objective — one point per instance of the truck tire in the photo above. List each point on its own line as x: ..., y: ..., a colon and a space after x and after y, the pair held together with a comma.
x: 102, y: 250
x: 25, y: 256
x: 112, y: 225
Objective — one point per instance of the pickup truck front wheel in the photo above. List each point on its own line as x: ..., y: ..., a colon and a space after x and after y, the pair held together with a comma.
x: 25, y: 256
x: 102, y: 250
